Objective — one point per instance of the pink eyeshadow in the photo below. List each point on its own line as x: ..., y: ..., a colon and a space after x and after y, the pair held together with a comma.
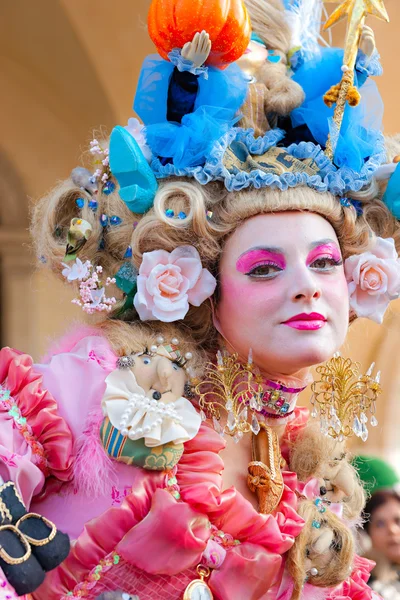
x: 330, y: 250
x: 250, y: 259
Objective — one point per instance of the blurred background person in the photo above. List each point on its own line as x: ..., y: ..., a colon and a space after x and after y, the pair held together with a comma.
x: 382, y: 524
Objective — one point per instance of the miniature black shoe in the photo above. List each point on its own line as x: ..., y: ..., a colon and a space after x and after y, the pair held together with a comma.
x: 12, y: 507
x: 49, y: 546
x: 20, y: 567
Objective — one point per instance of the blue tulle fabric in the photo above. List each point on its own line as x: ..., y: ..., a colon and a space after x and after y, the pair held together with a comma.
x: 218, y: 101
x: 360, y: 133
x: 223, y: 89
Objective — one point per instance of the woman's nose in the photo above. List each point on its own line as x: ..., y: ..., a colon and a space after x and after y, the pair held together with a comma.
x: 305, y: 285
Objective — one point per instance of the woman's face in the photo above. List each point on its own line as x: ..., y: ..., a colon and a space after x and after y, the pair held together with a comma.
x: 384, y: 530
x: 283, y: 291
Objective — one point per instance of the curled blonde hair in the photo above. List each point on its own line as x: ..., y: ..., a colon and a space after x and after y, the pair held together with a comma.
x: 341, y: 552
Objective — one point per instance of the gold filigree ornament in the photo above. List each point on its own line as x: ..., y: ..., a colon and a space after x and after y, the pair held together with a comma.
x: 342, y: 398
x: 198, y: 588
x: 230, y: 394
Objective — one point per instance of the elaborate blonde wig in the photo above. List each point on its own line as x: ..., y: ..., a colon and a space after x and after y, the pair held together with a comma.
x: 333, y: 563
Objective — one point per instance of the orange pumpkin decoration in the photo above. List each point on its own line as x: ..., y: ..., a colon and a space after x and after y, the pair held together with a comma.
x: 172, y: 23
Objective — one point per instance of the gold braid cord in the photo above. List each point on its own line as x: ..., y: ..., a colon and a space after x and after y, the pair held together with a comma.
x: 265, y: 477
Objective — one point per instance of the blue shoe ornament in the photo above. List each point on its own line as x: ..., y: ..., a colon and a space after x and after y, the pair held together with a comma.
x: 392, y: 195
x: 137, y: 182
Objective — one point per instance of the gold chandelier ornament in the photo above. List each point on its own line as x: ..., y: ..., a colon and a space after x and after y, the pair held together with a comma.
x: 344, y: 400
x: 356, y: 12
x: 229, y: 394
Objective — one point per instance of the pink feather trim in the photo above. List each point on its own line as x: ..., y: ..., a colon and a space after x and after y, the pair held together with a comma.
x: 68, y: 341
x: 93, y: 468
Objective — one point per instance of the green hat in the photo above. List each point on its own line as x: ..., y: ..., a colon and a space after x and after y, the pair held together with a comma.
x: 375, y: 473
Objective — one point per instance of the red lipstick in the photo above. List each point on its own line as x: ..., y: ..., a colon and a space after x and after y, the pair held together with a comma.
x: 306, y: 321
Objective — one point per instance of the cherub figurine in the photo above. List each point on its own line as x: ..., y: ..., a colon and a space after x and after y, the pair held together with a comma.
x: 147, y: 418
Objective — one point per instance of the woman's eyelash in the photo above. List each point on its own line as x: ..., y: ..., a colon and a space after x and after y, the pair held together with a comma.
x: 264, y: 264
x: 334, y: 261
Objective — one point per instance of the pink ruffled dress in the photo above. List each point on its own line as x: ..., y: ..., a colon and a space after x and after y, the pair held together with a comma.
x: 139, y: 531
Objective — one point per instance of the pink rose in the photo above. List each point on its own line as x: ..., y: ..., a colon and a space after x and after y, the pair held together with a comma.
x: 168, y: 282
x: 373, y: 279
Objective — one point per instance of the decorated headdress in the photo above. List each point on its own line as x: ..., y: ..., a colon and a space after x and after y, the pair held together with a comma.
x: 269, y: 109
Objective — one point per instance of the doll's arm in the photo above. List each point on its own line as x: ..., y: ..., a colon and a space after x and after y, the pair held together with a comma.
x: 368, y: 59
x: 184, y: 85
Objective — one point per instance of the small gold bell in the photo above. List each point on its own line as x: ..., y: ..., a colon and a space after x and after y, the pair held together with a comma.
x: 198, y: 589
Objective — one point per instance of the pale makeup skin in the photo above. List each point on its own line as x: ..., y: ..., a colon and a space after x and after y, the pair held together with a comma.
x: 283, y: 292
x: 273, y: 268
x: 384, y: 530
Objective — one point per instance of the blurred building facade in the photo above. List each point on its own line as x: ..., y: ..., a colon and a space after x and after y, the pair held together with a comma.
x: 68, y: 67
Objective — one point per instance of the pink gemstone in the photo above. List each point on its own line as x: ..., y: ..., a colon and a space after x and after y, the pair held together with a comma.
x: 280, y: 402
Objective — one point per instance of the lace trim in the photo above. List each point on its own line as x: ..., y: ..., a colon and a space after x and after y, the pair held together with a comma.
x: 369, y: 65
x: 184, y: 64
x: 338, y: 181
x: 82, y: 590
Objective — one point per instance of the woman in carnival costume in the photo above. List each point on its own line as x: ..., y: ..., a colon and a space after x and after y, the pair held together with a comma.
x: 164, y: 438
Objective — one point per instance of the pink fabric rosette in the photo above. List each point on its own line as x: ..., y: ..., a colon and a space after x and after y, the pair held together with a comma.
x: 373, y: 279
x: 168, y: 282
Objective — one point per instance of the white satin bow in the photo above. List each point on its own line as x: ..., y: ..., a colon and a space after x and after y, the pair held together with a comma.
x: 137, y: 416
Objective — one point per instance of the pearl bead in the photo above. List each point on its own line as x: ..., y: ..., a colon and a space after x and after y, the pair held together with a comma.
x: 124, y: 432
x: 153, y: 348
x: 160, y: 340
x: 131, y: 434
x: 159, y: 421
x: 153, y: 403
x: 139, y: 431
x: 175, y: 341
x: 146, y: 429
x: 188, y: 355
x: 313, y: 572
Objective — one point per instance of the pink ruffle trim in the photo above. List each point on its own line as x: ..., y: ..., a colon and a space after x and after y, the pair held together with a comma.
x: 50, y: 433
x: 355, y: 588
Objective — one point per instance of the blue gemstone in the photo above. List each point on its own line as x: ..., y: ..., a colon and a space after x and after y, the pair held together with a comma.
x: 80, y: 202
x: 316, y: 524
x: 115, y: 220
x: 102, y: 244
x: 93, y: 205
x: 318, y: 501
x: 169, y: 213
x: 182, y: 215
x: 104, y: 220
x: 128, y: 252
x: 272, y: 57
x: 109, y: 188
x: 43, y: 259
x: 345, y: 202
x: 285, y: 408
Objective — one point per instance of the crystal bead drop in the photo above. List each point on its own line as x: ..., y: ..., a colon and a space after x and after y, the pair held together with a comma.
x: 364, y: 432
x: 217, y: 425
x: 253, y: 403
x: 229, y: 404
x: 255, y: 425
x: 203, y: 415
x: 238, y: 436
x: 357, y: 426
x: 231, y: 421
x: 244, y: 414
x: 363, y: 418
x: 314, y: 413
x: 374, y: 421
